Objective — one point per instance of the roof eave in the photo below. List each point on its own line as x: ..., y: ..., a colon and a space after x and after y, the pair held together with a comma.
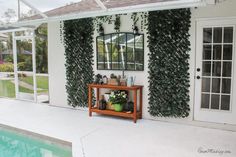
x: 121, y: 10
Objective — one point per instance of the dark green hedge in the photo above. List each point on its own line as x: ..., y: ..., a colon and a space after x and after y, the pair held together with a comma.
x: 78, y: 40
x: 168, y: 41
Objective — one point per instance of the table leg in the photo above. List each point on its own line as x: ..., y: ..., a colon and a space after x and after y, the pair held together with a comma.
x: 141, y: 102
x: 90, y: 101
x: 97, y: 97
x: 135, y: 106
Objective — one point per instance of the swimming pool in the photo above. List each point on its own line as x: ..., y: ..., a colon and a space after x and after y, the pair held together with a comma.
x: 14, y: 144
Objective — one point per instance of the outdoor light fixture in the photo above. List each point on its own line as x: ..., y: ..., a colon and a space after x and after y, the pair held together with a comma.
x: 135, y: 29
x: 101, y: 30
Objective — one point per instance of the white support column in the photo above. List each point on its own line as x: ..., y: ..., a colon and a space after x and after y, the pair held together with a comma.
x: 15, y: 65
x: 34, y: 66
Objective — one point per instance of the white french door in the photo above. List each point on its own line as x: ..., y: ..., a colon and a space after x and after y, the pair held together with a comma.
x: 215, y: 99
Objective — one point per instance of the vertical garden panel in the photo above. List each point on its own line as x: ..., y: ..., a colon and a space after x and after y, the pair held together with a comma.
x: 78, y: 42
x: 168, y: 41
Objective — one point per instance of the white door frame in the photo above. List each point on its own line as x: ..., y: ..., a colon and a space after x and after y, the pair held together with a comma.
x: 217, y: 116
x: 32, y: 38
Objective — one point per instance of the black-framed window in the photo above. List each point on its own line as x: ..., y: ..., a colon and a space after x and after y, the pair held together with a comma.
x: 120, y: 51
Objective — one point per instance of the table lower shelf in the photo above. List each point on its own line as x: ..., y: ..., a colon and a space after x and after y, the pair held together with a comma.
x: 114, y: 113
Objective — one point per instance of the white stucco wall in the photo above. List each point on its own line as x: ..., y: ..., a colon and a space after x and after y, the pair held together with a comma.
x: 57, y: 60
x: 56, y: 66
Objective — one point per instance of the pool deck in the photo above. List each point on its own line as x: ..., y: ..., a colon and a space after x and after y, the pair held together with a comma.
x: 101, y: 136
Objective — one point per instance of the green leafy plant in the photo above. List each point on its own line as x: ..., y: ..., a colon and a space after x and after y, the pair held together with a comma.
x: 7, y: 67
x: 78, y: 42
x: 118, y: 97
x: 117, y: 23
x: 168, y: 42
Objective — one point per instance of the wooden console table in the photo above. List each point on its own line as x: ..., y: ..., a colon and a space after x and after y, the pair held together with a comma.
x: 135, y: 115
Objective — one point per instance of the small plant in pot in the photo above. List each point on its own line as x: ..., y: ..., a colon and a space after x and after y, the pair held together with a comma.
x: 118, y: 99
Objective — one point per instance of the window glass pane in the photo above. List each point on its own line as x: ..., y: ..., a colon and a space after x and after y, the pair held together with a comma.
x: 217, y: 52
x: 215, y: 101
x: 225, y: 102
x: 122, y: 50
x: 100, y: 55
x: 215, y: 85
x: 227, y: 69
x: 115, y: 51
x: 227, y: 55
x: 130, y: 52
x: 205, y: 101
x: 207, y: 35
x: 217, y: 35
x: 139, y: 47
x: 228, y: 35
x: 226, y: 86
x: 205, y: 85
x: 7, y: 85
x: 107, y: 51
x: 216, y: 69
x: 206, y: 52
x: 206, y: 68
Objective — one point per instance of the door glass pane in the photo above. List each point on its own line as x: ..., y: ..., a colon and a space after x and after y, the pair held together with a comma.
x: 228, y: 35
x: 215, y: 85
x: 206, y: 52
x: 24, y: 55
x: 226, y: 86
x: 216, y: 69
x: 42, y: 88
x: 215, y: 101
x: 26, y: 86
x: 217, y: 73
x: 225, y: 102
x: 227, y: 69
x: 227, y: 55
x: 205, y: 101
x: 217, y: 35
x: 206, y: 68
x: 217, y: 52
x: 205, y: 85
x: 207, y: 35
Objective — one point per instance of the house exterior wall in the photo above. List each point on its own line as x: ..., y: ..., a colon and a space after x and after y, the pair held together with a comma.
x: 57, y: 60
x: 56, y: 66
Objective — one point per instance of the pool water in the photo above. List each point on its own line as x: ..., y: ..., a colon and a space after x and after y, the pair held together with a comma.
x: 14, y: 144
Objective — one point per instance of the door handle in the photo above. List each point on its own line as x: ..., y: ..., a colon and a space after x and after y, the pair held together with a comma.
x: 198, y: 69
x: 198, y: 77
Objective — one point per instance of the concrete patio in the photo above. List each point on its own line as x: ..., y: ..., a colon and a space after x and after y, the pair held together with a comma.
x: 101, y: 136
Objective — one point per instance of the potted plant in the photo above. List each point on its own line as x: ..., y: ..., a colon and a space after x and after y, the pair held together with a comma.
x: 118, y: 99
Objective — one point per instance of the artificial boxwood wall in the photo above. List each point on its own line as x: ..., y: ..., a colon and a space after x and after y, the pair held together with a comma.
x: 168, y: 41
x: 78, y: 42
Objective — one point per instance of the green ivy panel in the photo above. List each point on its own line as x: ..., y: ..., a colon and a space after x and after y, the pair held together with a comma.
x: 78, y: 40
x: 168, y: 41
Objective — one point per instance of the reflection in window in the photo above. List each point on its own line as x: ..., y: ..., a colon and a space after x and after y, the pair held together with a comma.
x: 120, y: 51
